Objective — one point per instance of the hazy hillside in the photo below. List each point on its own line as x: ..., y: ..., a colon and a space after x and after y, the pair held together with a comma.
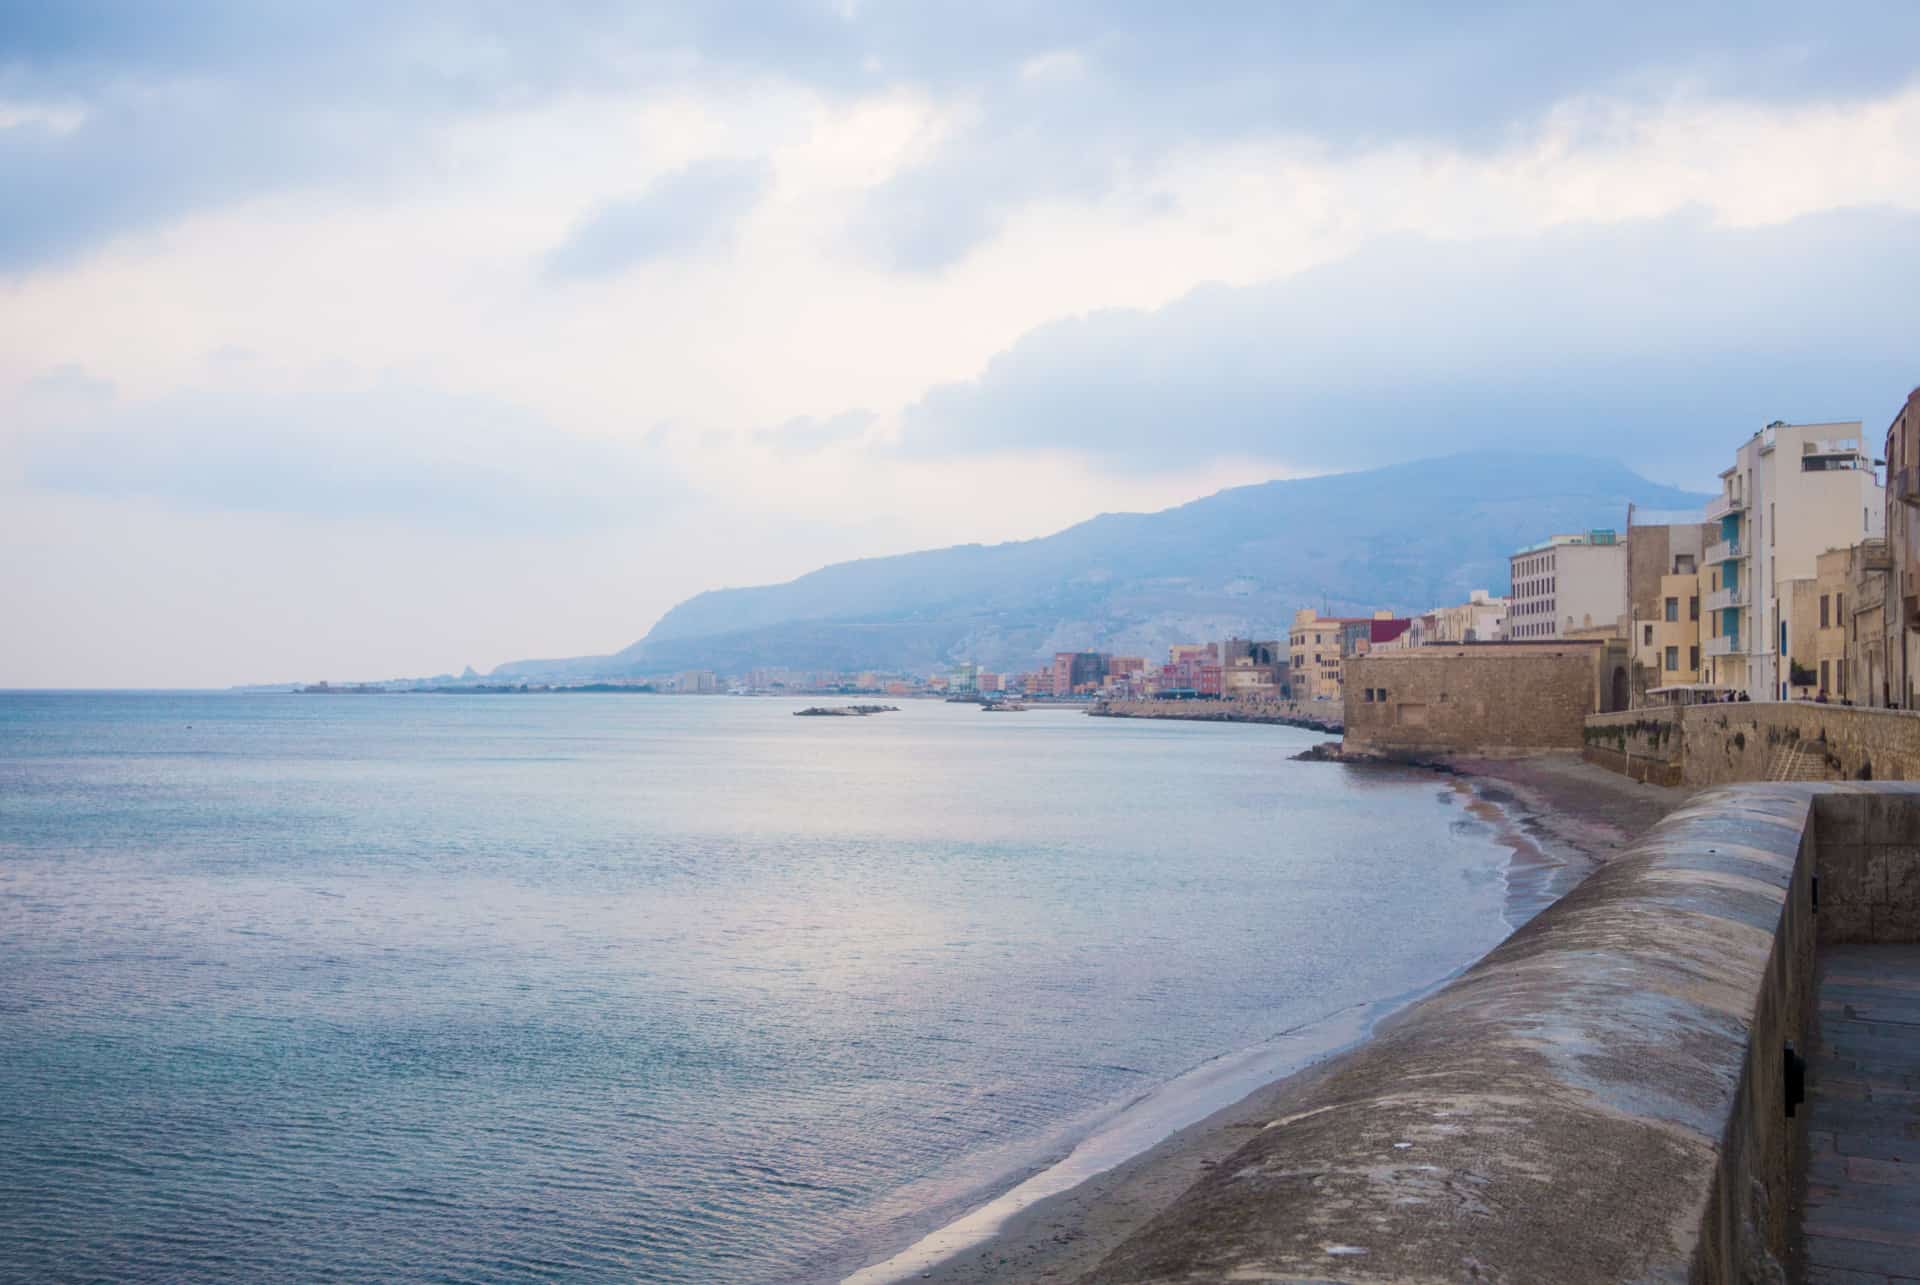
x: 1407, y: 537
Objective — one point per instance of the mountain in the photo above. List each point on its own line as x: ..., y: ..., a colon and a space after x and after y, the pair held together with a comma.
x: 1407, y: 537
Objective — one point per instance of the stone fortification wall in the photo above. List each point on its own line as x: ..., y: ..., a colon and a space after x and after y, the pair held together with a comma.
x: 1751, y: 741
x: 1320, y: 716
x: 1645, y: 744
x: 1758, y: 741
x: 1869, y: 865
x: 1602, y: 1098
x: 1472, y: 699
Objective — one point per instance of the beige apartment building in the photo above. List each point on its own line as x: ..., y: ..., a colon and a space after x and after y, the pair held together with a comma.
x: 1665, y: 593
x: 1313, y: 654
x: 1902, y: 623
x: 1566, y: 585
x: 1794, y: 492
x: 1482, y: 618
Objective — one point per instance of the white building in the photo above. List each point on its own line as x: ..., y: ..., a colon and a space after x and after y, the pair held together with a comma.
x: 1482, y: 618
x: 1794, y: 492
x: 1566, y: 584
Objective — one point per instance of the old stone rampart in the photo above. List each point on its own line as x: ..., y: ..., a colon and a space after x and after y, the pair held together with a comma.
x: 1602, y: 1098
x: 1323, y: 718
x: 1644, y: 744
x: 1757, y: 741
x: 1751, y: 741
x: 1487, y: 699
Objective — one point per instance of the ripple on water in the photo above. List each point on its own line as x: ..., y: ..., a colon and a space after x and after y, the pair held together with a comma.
x: 514, y: 988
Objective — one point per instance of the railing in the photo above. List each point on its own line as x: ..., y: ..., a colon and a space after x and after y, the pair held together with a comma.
x: 1726, y: 504
x: 1720, y: 599
x: 1725, y: 551
x: 1724, y: 645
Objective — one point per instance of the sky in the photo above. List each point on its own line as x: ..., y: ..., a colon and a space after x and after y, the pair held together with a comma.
x: 360, y: 340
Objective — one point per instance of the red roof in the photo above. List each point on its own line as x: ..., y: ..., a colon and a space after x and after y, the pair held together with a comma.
x: 1388, y: 630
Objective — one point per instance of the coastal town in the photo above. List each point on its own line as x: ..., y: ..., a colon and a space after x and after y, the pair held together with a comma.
x: 1798, y: 581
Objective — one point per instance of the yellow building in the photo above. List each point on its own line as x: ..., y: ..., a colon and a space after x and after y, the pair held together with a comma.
x: 1668, y: 645
x: 1313, y: 651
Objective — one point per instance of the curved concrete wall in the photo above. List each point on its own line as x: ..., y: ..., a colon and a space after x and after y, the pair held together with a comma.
x: 1599, y: 1099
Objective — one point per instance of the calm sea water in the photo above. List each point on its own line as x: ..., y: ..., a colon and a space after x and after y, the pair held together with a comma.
x: 631, y: 988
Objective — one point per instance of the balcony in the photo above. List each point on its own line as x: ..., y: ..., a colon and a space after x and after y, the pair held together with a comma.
x: 1724, y: 645
x: 1725, y: 505
x: 1721, y: 599
x: 1725, y: 551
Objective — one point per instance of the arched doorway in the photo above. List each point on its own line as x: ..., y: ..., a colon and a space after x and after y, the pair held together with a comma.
x: 1619, y: 700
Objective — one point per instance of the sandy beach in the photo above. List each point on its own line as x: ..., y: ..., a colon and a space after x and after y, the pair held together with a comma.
x: 1561, y: 818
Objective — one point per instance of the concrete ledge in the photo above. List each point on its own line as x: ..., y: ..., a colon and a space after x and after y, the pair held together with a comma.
x: 1600, y: 1099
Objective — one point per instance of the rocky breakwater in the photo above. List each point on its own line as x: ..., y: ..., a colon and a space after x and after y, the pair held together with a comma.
x: 844, y: 711
x: 1285, y: 713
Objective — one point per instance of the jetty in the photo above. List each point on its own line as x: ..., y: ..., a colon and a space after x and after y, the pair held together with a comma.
x: 1326, y: 719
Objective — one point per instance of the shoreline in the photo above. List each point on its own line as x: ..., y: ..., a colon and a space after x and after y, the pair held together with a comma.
x: 1560, y: 819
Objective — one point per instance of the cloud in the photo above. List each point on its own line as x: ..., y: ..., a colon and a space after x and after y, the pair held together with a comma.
x: 696, y: 207
x: 186, y: 107
x: 1657, y: 342
x: 804, y: 433
x: 387, y: 451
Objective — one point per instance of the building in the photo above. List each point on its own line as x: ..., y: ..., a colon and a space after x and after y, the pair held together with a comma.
x: 1076, y: 672
x: 1483, y: 697
x: 700, y: 682
x: 1871, y: 607
x: 1666, y: 595
x: 1313, y: 655
x: 1254, y: 668
x: 1192, y: 669
x: 1794, y: 492
x: 1481, y: 618
x: 1383, y: 630
x: 1565, y: 584
x: 1902, y: 624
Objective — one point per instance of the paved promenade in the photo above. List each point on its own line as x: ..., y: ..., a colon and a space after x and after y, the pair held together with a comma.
x: 1861, y: 1222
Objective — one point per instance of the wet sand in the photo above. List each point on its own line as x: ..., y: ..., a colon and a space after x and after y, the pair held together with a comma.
x: 1560, y: 817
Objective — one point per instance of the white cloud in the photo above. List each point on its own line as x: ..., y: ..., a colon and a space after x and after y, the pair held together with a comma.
x: 430, y: 275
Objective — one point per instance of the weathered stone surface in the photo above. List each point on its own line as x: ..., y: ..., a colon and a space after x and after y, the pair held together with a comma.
x: 1600, y: 1099
x: 1481, y: 699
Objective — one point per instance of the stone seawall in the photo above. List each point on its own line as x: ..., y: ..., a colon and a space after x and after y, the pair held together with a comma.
x: 1724, y: 744
x: 1602, y: 1098
x: 1644, y: 744
x: 1289, y: 713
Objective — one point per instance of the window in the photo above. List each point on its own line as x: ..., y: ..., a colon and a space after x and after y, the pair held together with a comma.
x: 1693, y: 607
x: 1693, y: 658
x: 1673, y: 609
x: 1824, y: 621
x: 1647, y: 638
x: 1823, y: 675
x: 1673, y: 659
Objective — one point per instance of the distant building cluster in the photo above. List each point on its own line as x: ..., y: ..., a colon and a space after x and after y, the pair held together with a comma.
x: 1800, y: 580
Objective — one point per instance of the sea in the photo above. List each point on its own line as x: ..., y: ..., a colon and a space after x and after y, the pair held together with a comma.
x: 642, y: 988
